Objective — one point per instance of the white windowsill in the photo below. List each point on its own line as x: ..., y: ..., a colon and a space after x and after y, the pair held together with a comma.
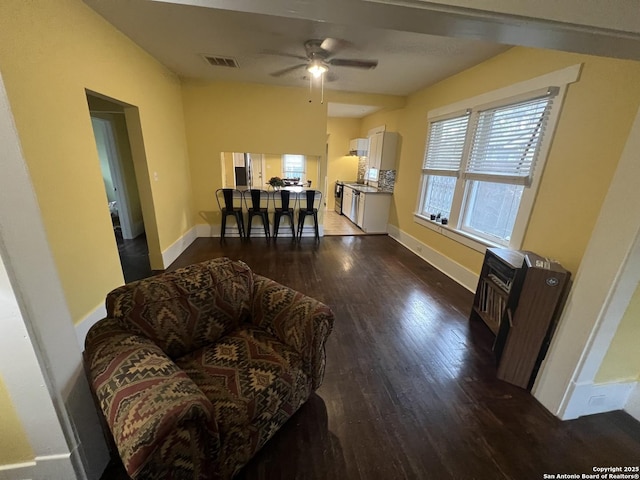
x: 471, y: 241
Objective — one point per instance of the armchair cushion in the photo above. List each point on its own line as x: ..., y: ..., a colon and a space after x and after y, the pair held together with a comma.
x: 183, y: 310
x: 254, y: 382
x: 248, y: 375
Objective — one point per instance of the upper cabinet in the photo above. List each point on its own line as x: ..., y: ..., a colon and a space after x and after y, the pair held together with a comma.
x: 383, y: 148
x: 358, y: 146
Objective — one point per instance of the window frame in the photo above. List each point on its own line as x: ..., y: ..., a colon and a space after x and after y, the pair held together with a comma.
x: 304, y: 165
x: 509, y: 95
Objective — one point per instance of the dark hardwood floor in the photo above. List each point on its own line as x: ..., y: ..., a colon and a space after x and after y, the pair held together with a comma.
x: 410, y: 389
x: 134, y: 257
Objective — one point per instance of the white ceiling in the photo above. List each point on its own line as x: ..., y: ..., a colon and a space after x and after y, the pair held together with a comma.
x: 416, y: 42
x: 178, y: 36
x: 349, y: 110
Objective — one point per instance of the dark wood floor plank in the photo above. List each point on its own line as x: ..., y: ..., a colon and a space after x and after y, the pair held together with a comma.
x: 410, y: 390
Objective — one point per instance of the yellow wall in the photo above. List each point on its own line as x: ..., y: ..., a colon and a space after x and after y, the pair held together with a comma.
x: 591, y: 133
x: 622, y: 362
x: 14, y: 445
x: 312, y: 171
x: 341, y: 166
x: 50, y: 52
x: 388, y: 118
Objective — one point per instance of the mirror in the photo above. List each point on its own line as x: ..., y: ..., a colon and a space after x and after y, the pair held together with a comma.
x: 244, y: 170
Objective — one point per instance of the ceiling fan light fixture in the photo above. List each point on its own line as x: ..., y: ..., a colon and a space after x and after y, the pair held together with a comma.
x: 317, y: 68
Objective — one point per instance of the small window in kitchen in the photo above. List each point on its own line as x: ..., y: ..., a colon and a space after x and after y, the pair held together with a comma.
x: 293, y: 166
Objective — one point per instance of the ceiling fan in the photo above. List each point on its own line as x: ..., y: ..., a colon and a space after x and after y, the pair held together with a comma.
x: 319, y: 57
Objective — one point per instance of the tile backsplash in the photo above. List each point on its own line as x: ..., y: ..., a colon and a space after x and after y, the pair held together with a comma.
x: 387, y: 180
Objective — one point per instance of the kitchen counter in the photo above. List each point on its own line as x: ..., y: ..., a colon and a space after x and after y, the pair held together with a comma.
x: 365, y: 188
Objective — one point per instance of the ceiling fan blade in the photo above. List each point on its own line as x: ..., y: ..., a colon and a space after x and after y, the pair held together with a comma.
x: 345, y: 62
x: 333, y: 45
x: 283, y: 54
x: 284, y: 71
x: 330, y: 77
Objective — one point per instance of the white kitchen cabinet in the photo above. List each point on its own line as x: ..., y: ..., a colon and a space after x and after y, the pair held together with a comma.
x: 375, y: 150
x: 382, y: 152
x: 359, y: 146
x: 374, y: 212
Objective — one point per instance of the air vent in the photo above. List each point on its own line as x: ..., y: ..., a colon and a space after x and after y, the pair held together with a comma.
x: 221, y: 61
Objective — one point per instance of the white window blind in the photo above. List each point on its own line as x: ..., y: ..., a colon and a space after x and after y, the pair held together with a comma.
x: 506, y: 141
x: 293, y: 165
x: 445, y: 145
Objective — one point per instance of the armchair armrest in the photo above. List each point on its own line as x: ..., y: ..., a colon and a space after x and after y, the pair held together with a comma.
x: 297, y: 320
x: 156, y: 413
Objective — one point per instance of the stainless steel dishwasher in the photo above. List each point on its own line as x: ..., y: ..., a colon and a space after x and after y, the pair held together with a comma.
x: 355, y: 207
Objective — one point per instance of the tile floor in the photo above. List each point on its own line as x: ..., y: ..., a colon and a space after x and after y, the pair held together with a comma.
x: 336, y: 224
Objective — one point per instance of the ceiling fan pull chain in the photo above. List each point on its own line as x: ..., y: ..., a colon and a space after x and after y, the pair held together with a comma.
x: 321, y: 89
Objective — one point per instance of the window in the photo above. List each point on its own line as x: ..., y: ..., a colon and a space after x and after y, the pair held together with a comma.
x: 481, y: 162
x: 443, y: 157
x: 293, y: 166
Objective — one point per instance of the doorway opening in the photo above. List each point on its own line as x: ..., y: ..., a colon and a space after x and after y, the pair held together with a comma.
x: 109, y: 124
x: 243, y: 170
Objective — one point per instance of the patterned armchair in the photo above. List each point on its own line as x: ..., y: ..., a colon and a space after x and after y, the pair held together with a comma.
x: 196, y: 369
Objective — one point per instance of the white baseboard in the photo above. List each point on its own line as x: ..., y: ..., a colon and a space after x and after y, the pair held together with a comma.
x: 589, y: 398
x: 206, y: 230
x: 633, y: 403
x: 50, y: 467
x: 453, y: 270
x: 83, y: 326
x: 170, y: 254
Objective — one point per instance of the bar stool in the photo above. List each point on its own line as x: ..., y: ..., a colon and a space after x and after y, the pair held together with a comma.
x: 282, y: 208
x: 230, y: 203
x: 257, y: 203
x: 309, y: 205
